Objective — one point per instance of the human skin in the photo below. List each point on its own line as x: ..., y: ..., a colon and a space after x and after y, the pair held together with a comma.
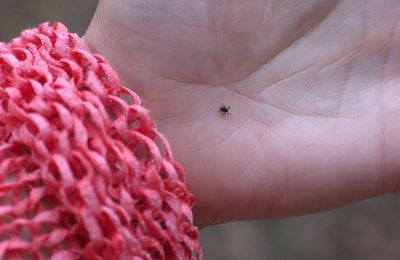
x: 314, y: 88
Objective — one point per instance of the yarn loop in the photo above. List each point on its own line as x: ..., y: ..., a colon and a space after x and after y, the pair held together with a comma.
x: 84, y: 173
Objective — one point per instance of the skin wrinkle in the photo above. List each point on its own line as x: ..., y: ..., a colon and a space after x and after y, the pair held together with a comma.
x: 283, y: 109
x: 219, y: 218
x: 391, y: 43
x: 396, y: 186
x: 273, y: 201
x: 382, y: 117
x: 217, y: 66
x: 216, y: 58
x: 310, y: 92
x: 227, y: 137
x: 299, y: 72
x: 137, y: 61
x: 323, y: 66
x: 348, y: 76
x: 244, y: 212
x: 381, y: 178
x: 313, y: 91
x: 262, y: 63
x: 296, y: 40
x: 306, y: 69
x: 345, y: 83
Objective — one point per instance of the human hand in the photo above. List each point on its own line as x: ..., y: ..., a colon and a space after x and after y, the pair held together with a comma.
x: 313, y: 85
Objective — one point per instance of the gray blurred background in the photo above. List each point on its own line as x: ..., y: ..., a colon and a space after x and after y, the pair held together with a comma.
x: 369, y: 230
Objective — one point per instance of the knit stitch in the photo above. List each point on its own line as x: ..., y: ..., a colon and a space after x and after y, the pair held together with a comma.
x: 84, y: 173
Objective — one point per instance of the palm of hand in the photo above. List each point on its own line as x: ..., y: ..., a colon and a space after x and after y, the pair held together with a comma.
x: 313, y: 87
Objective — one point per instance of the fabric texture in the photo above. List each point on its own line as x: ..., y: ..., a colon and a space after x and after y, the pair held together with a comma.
x: 84, y: 173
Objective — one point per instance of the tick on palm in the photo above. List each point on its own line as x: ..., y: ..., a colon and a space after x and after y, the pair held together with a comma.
x: 224, y: 109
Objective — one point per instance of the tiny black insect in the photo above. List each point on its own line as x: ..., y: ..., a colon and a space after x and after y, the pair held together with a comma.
x: 224, y: 109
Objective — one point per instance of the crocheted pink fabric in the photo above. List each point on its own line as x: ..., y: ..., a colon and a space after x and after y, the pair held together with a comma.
x: 84, y: 174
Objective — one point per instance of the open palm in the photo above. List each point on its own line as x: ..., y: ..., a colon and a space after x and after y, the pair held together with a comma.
x: 314, y: 88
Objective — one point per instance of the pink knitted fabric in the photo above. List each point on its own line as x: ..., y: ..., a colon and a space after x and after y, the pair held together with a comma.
x: 84, y: 174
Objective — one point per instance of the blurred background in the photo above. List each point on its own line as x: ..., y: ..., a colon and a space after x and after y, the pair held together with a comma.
x: 369, y: 230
